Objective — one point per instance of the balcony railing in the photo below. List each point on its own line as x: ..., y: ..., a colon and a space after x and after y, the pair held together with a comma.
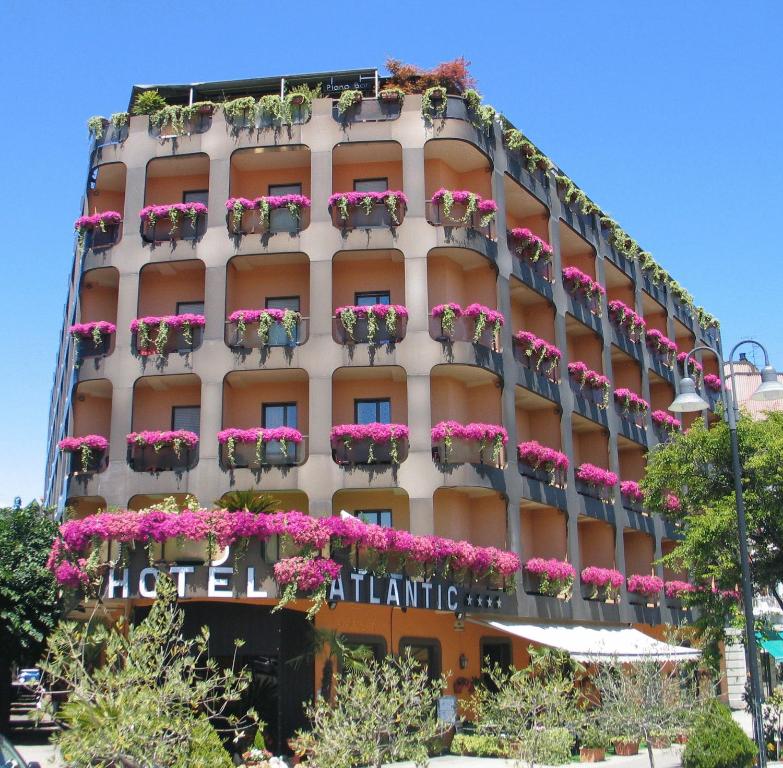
x: 457, y: 219
x: 368, y: 110
x: 87, y: 348
x: 162, y: 230
x: 99, y: 240
x: 464, y: 329
x: 282, y: 219
x: 365, y: 452
x: 165, y: 459
x: 198, y: 123
x: 277, y: 336
x: 382, y: 333
x: 273, y: 454
x: 378, y: 217
x: 178, y: 339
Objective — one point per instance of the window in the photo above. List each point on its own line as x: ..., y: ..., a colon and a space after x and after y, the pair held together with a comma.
x: 277, y: 334
x: 281, y: 219
x: 370, y: 411
x: 494, y: 650
x: 370, y: 185
x: 368, y: 644
x: 195, y: 196
x: 278, y: 415
x: 425, y: 652
x: 382, y: 517
x: 186, y: 417
x: 190, y: 307
x: 367, y: 298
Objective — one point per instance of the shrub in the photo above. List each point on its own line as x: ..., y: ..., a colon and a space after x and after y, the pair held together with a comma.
x: 718, y: 742
x: 148, y: 102
x: 554, y: 746
x: 477, y: 745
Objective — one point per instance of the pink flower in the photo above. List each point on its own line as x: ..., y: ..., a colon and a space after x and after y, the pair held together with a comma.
x: 554, y: 570
x: 624, y: 316
x: 87, y: 330
x: 672, y: 503
x: 440, y: 309
x: 355, y: 199
x: 675, y: 589
x: 694, y: 366
x: 272, y: 201
x: 97, y: 220
x: 375, y: 432
x: 630, y: 400
x: 595, y: 476
x: 665, y: 421
x: 491, y: 316
x: 541, y: 457
x: 172, y: 321
x: 254, y: 315
x: 287, y: 434
x: 631, y: 490
x: 579, y: 282
x: 151, y: 213
x: 527, y: 242
x: 713, y: 382
x: 380, y: 310
x: 586, y: 377
x: 660, y: 343
x: 644, y: 585
x: 158, y: 438
x: 307, y: 573
x: 602, y: 577
x: 474, y: 431
x: 73, y: 444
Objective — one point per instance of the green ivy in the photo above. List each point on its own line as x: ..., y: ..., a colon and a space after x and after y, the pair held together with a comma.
x: 347, y: 100
x: 481, y: 115
x: 516, y: 141
x: 430, y: 109
x: 573, y: 195
x: 238, y: 108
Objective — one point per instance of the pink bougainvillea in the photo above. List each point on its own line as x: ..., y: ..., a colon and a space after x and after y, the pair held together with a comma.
x: 632, y: 491
x: 473, y: 202
x: 625, y: 317
x: 306, y: 573
x: 553, y: 569
x: 394, y: 201
x: 661, y: 344
x: 143, y: 326
x: 530, y: 246
x: 602, y: 577
x: 267, y: 434
x: 630, y: 400
x: 372, y: 313
x: 713, y: 382
x: 173, y: 212
x: 644, y: 585
x: 596, y: 476
x: 694, y: 366
x: 481, y: 315
x: 586, y: 377
x: 158, y: 439
x: 676, y: 589
x: 672, y: 503
x: 577, y: 282
x: 375, y: 432
x: 97, y: 221
x: 484, y: 434
x: 172, y: 321
x: 541, y: 457
x: 89, y: 330
x: 543, y: 355
x: 73, y: 444
x: 665, y: 421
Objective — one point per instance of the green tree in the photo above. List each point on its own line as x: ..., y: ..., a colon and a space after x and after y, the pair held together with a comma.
x: 695, y: 466
x: 29, y: 606
x: 383, y: 713
x: 156, y: 697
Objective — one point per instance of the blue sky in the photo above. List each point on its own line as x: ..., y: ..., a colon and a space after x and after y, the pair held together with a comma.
x: 668, y: 114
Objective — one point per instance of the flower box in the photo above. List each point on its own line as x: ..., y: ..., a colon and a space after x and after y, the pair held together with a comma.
x: 91, y: 450
x: 367, y: 210
x: 589, y: 384
x: 99, y: 231
x: 675, y: 590
x: 162, y: 450
x: 665, y: 424
x: 646, y: 587
x: 267, y: 214
x: 661, y: 346
x: 259, y: 447
x: 542, y: 463
x: 695, y: 368
x: 259, y: 328
x: 632, y: 496
x: 550, y: 577
x: 538, y: 355
x: 630, y: 406
x: 529, y: 246
x: 462, y: 208
x: 601, y: 583
x: 176, y: 221
x: 625, y: 318
x: 168, y: 333
x: 474, y: 443
x: 93, y: 339
x: 475, y: 323
x: 373, y: 443
x: 592, y: 754
x: 371, y: 324
x: 596, y: 481
x: 584, y: 288
x: 623, y: 748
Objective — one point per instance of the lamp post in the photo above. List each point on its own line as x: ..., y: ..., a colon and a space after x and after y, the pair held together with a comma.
x: 687, y: 401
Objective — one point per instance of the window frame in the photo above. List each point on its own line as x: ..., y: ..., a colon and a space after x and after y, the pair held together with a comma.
x: 359, y: 512
x: 284, y: 404
x: 357, y: 401
x: 283, y: 298
x: 269, y: 188
x: 174, y: 409
x: 424, y: 642
x: 367, y: 294
x: 180, y: 303
x: 186, y: 192
x: 384, y: 179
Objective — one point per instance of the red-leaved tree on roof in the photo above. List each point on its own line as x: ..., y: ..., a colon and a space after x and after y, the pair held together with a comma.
x: 454, y: 75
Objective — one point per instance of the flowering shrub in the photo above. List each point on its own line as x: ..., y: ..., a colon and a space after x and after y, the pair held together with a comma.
x: 607, y: 579
x: 85, y: 446
x: 158, y: 439
x: 236, y: 206
x: 473, y: 203
x: 577, y: 282
x: 174, y: 212
x: 676, y: 589
x: 447, y: 431
x: 695, y: 368
x: 661, y: 344
x: 712, y: 382
x: 260, y: 436
x: 626, y: 318
x: 389, y: 313
x: 596, y: 477
x: 530, y: 246
x: 85, y: 224
x: 555, y: 577
x: 143, y: 325
x: 482, y: 315
x: 541, y: 457
x: 591, y: 379
x: 265, y: 318
x: 544, y: 356
x: 672, y: 503
x: 393, y: 200
x: 665, y: 421
x: 630, y: 401
x: 644, y: 585
x: 632, y: 491
x: 95, y: 331
x: 305, y: 574
x: 223, y: 528
x: 375, y: 432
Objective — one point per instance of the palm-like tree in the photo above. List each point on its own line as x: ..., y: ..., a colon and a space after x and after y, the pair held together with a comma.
x: 252, y: 501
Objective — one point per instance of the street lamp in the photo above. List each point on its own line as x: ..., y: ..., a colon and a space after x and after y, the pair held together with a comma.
x: 687, y: 401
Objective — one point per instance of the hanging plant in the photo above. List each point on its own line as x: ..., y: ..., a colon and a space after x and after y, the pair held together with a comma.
x: 143, y: 326
x: 101, y: 221
x: 372, y: 313
x: 482, y: 115
x: 586, y: 377
x: 434, y: 103
x: 448, y: 314
x: 347, y: 100
x: 259, y: 436
x: 178, y: 439
x: 626, y: 318
x: 483, y: 434
x: 544, y: 356
x: 95, y: 330
x: 242, y: 108
x: 483, y: 315
x: 555, y: 577
x: 375, y: 433
x: 630, y: 401
x: 572, y: 195
x: 97, y: 126
x: 311, y: 573
x: 266, y: 318
x: 530, y: 246
x: 534, y: 159
x: 151, y: 214
x: 473, y: 203
x: 275, y: 109
x: 302, y: 95
x: 395, y: 202
x: 577, y: 282
x: 85, y: 446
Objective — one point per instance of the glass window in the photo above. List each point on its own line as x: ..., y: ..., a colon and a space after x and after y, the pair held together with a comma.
x: 425, y: 652
x: 382, y: 517
x: 281, y: 219
x: 374, y: 647
x: 190, y: 307
x: 278, y: 415
x: 494, y: 650
x: 367, y: 298
x: 371, y: 411
x: 195, y: 196
x: 277, y: 334
x: 370, y: 185
x: 186, y: 417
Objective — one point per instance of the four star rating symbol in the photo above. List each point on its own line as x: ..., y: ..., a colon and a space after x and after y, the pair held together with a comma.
x: 483, y: 601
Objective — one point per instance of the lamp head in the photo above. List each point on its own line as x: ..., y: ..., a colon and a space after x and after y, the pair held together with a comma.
x: 770, y: 388
x: 689, y: 399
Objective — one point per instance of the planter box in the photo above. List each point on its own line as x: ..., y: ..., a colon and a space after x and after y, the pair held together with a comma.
x: 98, y: 240
x: 162, y: 231
x: 273, y: 455
x: 466, y: 452
x: 360, y: 334
x: 464, y: 328
x: 97, y: 463
x: 657, y: 290
x: 378, y: 218
x: 626, y: 748
x: 86, y: 347
x: 437, y: 217
x: 591, y: 754
x: 359, y: 453
x: 147, y: 459
x: 281, y: 220
x: 600, y: 492
x: 277, y: 336
x: 368, y: 110
x: 175, y: 342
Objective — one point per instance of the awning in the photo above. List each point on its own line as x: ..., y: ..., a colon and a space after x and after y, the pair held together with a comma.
x: 587, y: 644
x: 772, y: 643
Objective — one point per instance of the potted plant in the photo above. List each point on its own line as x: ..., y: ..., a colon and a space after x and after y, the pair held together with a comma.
x: 626, y: 746
x: 347, y: 100
x: 660, y: 741
x: 593, y: 745
x: 391, y: 94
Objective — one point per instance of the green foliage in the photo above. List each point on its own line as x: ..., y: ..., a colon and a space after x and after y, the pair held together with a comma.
x: 347, y: 100
x: 147, y: 103
x: 655, y: 272
x: 718, y: 742
x: 308, y: 92
x: 392, y: 91
x: 29, y: 606
x: 482, y: 115
x: 555, y: 746
x: 516, y: 141
x: 573, y: 195
x: 593, y: 736
x: 477, y: 745
x: 382, y: 715
x: 245, y: 106
x: 434, y: 103
x: 176, y: 116
x: 96, y: 126
x: 697, y: 467
x: 275, y: 109
x: 155, y: 698
x: 119, y: 119
x: 252, y: 501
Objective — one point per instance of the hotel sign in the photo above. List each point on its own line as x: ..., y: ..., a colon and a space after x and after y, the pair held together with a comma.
x: 250, y: 579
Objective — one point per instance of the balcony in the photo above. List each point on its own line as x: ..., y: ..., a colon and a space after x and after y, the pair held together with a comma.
x: 597, y: 553
x: 368, y: 210
x: 374, y: 324
x: 455, y: 443
x: 366, y: 108
x: 162, y: 451
x: 544, y: 471
x: 591, y: 390
x: 538, y: 364
x: 544, y: 535
x: 99, y: 231
x: 475, y: 324
x: 88, y: 455
x: 93, y: 340
x: 369, y: 444
x: 103, y: 228
x: 462, y: 215
x: 172, y: 222
x: 111, y: 132
x: 259, y: 448
x: 266, y: 328
x: 533, y: 262
x: 174, y: 121
x: 154, y: 335
x: 267, y: 215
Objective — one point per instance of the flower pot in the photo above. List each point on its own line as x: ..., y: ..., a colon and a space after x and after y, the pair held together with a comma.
x: 297, y: 99
x: 437, y: 96
x: 206, y: 109
x: 626, y: 748
x: 389, y: 96
x: 592, y: 754
x: 660, y: 742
